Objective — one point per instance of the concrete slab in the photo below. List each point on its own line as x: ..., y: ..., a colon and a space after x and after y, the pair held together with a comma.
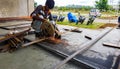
x: 11, y: 23
x: 104, y: 55
x: 3, y: 32
x: 32, y: 57
x: 19, y: 26
x: 97, y: 56
x: 71, y: 42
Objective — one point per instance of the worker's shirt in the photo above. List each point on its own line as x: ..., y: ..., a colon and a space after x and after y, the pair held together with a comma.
x: 42, y: 13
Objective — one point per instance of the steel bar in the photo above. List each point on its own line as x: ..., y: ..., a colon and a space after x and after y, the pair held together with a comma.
x: 33, y: 42
x: 85, y: 46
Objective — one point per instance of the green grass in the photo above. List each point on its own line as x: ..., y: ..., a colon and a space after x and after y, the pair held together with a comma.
x: 91, y: 26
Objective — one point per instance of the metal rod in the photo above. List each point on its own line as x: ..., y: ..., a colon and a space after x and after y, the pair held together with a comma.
x: 33, y: 42
x: 85, y: 46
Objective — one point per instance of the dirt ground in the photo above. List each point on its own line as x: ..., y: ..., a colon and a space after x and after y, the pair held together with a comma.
x: 110, y: 17
x: 108, y: 25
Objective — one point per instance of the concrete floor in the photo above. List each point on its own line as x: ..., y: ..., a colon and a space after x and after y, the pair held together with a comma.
x: 32, y: 57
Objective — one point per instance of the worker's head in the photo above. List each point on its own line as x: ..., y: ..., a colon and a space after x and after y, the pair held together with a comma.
x: 50, y: 4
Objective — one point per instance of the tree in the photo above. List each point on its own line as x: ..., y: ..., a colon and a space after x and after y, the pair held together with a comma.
x: 119, y: 7
x: 35, y: 4
x: 102, y: 5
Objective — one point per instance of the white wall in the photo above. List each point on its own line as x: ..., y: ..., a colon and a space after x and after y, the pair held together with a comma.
x: 16, y: 8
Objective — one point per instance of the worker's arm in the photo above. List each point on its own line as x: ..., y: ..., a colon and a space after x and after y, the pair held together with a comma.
x: 37, y: 17
x: 50, y: 16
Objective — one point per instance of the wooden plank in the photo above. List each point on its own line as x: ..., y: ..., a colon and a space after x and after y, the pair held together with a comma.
x: 111, y: 45
x: 9, y: 24
x: 27, y: 18
x: 19, y: 26
x: 4, y: 38
x: 85, y: 46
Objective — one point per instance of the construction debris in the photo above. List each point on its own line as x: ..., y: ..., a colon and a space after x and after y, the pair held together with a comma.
x: 73, y: 30
x: 88, y: 37
x: 111, y: 45
x: 13, y: 41
x: 85, y: 47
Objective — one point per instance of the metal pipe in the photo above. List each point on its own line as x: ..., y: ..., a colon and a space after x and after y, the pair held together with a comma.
x: 33, y: 42
x: 85, y: 46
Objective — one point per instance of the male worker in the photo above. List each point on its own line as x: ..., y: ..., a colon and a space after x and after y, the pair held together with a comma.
x: 40, y: 24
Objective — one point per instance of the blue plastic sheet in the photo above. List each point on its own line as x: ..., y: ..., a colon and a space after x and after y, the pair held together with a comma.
x: 72, y: 18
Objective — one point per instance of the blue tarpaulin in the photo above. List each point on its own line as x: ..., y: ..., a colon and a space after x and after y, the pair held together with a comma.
x: 72, y: 18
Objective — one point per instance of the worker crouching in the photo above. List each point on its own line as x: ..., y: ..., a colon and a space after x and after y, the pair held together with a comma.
x: 40, y: 23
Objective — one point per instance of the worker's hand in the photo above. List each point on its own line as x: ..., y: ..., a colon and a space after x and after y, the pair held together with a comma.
x: 44, y: 25
x: 45, y: 21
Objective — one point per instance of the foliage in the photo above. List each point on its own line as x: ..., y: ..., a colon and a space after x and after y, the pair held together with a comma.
x: 75, y: 8
x: 91, y: 26
x: 119, y: 7
x: 35, y: 4
x: 102, y: 5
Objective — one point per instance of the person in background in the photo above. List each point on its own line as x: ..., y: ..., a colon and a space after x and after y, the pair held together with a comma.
x: 40, y: 18
x: 118, y: 23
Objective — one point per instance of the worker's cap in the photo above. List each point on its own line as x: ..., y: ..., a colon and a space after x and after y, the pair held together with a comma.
x: 50, y: 4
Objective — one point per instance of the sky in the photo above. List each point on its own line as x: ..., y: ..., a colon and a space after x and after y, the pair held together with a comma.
x: 75, y: 2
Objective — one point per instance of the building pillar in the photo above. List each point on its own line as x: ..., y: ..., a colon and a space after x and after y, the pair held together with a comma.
x: 16, y: 8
